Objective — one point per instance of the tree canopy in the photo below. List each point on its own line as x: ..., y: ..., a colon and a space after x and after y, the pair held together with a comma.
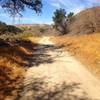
x: 59, y: 15
x: 61, y: 21
x: 14, y: 7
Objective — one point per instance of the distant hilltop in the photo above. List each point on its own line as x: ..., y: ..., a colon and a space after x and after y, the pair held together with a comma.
x: 28, y: 26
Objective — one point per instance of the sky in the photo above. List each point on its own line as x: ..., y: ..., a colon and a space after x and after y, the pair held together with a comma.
x: 49, y: 6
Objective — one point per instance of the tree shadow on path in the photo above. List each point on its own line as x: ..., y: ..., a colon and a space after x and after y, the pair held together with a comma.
x: 39, y: 53
x: 29, y: 54
x: 37, y: 90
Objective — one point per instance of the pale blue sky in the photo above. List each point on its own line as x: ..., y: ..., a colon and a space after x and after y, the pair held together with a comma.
x: 49, y: 6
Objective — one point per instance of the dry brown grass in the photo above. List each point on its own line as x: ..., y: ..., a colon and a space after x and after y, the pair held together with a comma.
x: 13, y: 63
x: 85, y: 47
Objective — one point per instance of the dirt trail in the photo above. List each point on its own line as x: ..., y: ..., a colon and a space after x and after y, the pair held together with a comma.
x: 62, y: 77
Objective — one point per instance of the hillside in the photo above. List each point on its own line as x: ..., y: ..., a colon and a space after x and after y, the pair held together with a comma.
x: 38, y: 29
x: 30, y: 26
x: 87, y: 21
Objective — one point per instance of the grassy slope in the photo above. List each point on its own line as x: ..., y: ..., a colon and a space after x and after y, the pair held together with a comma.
x: 85, y: 47
x: 13, y: 63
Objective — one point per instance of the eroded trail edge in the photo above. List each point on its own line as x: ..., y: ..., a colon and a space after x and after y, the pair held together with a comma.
x: 58, y: 76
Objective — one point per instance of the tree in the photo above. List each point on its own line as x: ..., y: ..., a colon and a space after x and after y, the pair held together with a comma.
x: 70, y: 16
x: 61, y: 21
x: 14, y: 7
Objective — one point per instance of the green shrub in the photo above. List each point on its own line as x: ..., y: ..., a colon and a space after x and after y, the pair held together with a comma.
x: 13, y: 29
x: 8, y: 28
x: 2, y: 27
x: 12, y: 36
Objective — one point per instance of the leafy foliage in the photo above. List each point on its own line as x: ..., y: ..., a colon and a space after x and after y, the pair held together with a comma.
x: 61, y: 21
x: 70, y: 14
x: 14, y: 7
x: 59, y: 15
x: 70, y: 17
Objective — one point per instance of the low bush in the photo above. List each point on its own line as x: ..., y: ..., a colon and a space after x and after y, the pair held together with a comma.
x: 4, y: 28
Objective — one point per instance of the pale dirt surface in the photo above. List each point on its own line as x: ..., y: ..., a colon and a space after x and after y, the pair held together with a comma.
x: 62, y: 77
